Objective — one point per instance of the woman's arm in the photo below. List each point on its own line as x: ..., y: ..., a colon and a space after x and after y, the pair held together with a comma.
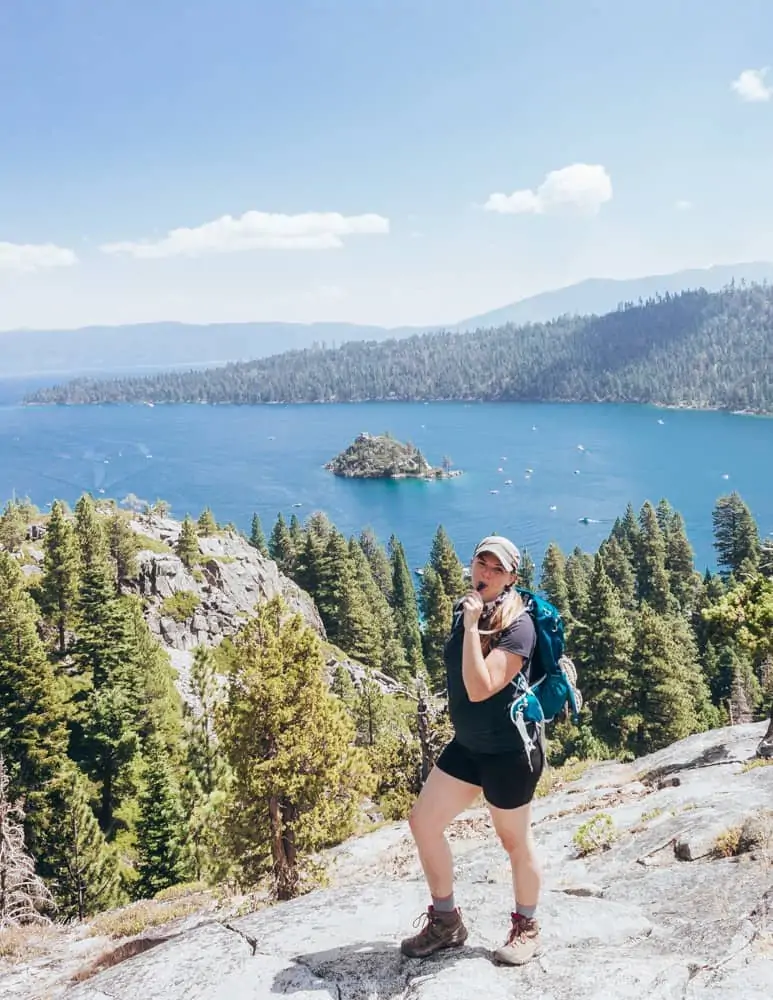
x: 486, y: 677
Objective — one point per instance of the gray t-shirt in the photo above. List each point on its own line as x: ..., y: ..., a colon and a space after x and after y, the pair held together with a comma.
x: 485, y: 726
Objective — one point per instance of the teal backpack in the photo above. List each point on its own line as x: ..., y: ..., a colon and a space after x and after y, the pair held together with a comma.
x: 553, y: 687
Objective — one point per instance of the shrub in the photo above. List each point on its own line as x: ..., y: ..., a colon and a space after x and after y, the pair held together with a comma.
x: 728, y: 843
x: 596, y: 834
x: 180, y: 606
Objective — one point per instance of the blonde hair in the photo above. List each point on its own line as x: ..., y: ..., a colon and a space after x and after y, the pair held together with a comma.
x: 504, y: 615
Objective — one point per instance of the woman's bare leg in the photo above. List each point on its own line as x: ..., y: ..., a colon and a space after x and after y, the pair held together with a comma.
x: 440, y: 801
x: 513, y: 827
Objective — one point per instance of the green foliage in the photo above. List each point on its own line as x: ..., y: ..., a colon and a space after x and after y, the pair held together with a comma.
x: 206, y: 524
x: 58, y: 591
x: 124, y: 546
x: 596, y: 834
x: 553, y: 579
x: 32, y: 734
x: 736, y: 537
x: 13, y: 527
x: 298, y: 778
x: 161, y: 857
x: 181, y: 605
x: 405, y: 608
x: 84, y: 871
x: 437, y: 609
x: 445, y: 562
x: 281, y: 547
x: 187, y: 546
x: 697, y: 348
x: 257, y: 538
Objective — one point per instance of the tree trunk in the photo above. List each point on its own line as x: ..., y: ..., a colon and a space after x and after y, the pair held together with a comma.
x: 765, y: 749
x: 282, y: 851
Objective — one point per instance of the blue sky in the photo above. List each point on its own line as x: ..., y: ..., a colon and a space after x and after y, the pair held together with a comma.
x: 381, y: 161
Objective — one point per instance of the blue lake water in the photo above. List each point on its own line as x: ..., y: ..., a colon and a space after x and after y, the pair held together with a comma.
x: 243, y: 459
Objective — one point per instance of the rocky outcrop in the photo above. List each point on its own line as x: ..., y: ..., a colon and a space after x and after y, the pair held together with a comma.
x: 383, y: 457
x: 230, y: 579
x: 661, y: 913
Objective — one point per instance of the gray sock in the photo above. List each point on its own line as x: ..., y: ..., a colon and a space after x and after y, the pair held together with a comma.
x: 443, y: 904
x: 525, y: 911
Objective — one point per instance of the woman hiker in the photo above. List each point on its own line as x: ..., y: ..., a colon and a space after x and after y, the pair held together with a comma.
x: 492, y: 638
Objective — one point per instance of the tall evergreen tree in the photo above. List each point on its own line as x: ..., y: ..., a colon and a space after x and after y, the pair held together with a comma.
x: 617, y: 566
x: 296, y: 532
x: 13, y: 527
x: 297, y: 776
x: 651, y: 576
x: 553, y: 579
x: 445, y: 562
x: 61, y: 574
x: 577, y: 581
x: 665, y: 683
x: 162, y: 860
x: 124, y: 547
x: 388, y: 655
x: 281, y: 548
x: 405, y: 608
x: 377, y: 556
x: 680, y: 563
x: 84, y: 870
x: 436, y: 609
x: 604, y: 645
x: 527, y: 571
x: 187, y: 545
x: 257, y: 537
x: 32, y: 732
x: 736, y: 537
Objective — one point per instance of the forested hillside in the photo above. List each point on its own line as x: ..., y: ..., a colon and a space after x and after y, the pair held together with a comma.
x: 695, y: 349
x: 112, y: 788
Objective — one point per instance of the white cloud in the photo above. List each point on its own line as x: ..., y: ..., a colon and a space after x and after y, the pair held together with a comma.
x: 256, y: 231
x: 751, y: 86
x: 683, y: 205
x: 34, y: 256
x: 582, y: 187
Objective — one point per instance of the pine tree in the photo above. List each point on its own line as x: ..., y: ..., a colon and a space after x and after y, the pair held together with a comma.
x: 187, y: 545
x: 680, y: 559
x: 97, y: 576
x: 618, y: 568
x: 577, y: 579
x: 206, y: 524
x: 405, y: 608
x: 24, y: 897
x: 736, y: 537
x: 766, y: 558
x: 527, y: 571
x: 745, y: 693
x: 308, y: 569
x: 553, y: 579
x: 380, y: 566
x: 162, y: 860
x: 13, y: 527
x: 32, y: 732
x: 370, y: 711
x: 296, y: 533
x: 388, y: 655
x: 342, y: 686
x: 359, y: 631
x: 297, y: 776
x: 280, y: 547
x: 604, y: 645
x: 84, y: 870
x: 664, y: 682
x: 58, y: 591
x: 651, y: 576
x: 124, y: 547
x: 436, y: 609
x: 445, y: 562
x: 257, y: 538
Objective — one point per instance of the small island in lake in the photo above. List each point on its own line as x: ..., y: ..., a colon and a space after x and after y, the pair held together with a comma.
x: 384, y: 457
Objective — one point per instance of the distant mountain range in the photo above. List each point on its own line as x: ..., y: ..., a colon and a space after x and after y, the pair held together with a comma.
x: 166, y: 345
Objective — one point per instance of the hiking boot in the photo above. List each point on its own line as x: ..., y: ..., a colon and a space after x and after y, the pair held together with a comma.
x: 523, y: 942
x: 441, y: 930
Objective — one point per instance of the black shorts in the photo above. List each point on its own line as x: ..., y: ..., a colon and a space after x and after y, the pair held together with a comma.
x: 506, y: 778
